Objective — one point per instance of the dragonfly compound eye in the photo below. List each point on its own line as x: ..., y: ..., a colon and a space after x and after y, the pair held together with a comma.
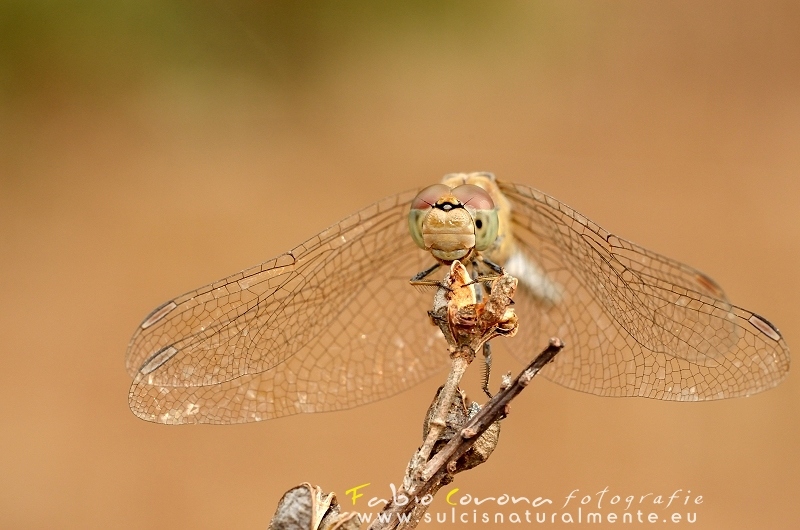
x: 420, y: 207
x: 483, y: 211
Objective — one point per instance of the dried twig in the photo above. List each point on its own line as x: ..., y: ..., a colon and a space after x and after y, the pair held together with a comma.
x: 445, y: 463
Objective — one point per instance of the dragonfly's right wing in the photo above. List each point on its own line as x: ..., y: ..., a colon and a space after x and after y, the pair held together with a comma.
x: 330, y: 325
x: 635, y: 323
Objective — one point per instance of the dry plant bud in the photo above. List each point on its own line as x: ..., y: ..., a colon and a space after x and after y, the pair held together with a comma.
x: 471, y: 323
x: 457, y: 416
x: 306, y: 507
x: 461, y: 289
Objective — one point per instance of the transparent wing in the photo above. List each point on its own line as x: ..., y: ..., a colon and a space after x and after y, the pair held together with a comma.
x: 330, y: 325
x: 635, y: 323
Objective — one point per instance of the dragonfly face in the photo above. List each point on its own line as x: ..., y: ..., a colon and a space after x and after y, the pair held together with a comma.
x: 451, y: 223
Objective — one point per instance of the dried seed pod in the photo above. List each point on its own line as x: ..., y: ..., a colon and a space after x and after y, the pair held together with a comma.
x: 306, y: 507
x: 458, y: 415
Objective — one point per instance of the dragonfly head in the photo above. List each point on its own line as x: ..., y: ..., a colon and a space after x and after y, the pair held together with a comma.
x: 452, y: 222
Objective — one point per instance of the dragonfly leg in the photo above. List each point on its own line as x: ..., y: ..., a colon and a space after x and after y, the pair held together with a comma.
x: 419, y: 278
x: 492, y: 265
x: 484, y: 279
x: 487, y: 367
x: 476, y: 279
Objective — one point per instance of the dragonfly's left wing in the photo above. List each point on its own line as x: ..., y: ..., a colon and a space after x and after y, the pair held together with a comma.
x: 330, y: 325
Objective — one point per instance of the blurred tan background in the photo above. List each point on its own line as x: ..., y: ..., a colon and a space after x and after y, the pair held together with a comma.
x: 148, y: 148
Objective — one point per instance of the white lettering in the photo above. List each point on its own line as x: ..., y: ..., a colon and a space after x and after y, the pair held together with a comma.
x: 672, y: 498
x: 374, y: 501
x: 569, y: 498
x: 658, y: 500
x: 600, y: 499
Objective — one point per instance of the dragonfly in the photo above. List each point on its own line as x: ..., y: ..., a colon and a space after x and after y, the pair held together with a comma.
x: 334, y: 324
